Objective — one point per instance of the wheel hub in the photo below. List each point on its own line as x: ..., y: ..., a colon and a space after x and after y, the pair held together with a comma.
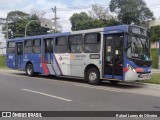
x: 29, y: 70
x: 93, y: 76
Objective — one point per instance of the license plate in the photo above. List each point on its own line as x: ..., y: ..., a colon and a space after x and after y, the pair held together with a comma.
x: 145, y: 75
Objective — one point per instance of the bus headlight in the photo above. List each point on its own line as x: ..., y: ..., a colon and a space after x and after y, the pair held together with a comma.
x: 134, y: 70
x: 131, y: 68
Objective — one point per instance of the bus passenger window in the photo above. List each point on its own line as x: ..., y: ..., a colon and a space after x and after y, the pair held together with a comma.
x: 92, y: 43
x: 11, y: 47
x: 37, y: 46
x: 28, y: 46
x: 20, y: 49
x: 76, y: 43
x: 61, y: 45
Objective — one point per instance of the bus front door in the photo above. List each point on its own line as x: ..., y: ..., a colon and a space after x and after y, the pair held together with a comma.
x: 19, y: 55
x: 114, y: 56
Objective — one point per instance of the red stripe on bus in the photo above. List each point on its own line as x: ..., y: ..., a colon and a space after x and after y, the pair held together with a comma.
x: 45, y: 69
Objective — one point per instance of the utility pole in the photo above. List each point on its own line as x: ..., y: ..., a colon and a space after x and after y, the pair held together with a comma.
x: 54, y: 10
x: 7, y: 27
x: 55, y: 19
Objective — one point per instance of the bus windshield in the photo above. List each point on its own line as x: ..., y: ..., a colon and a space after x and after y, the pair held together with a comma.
x: 139, y: 48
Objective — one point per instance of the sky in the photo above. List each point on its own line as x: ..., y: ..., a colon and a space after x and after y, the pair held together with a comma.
x: 65, y: 8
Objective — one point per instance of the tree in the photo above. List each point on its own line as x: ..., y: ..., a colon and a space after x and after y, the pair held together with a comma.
x: 80, y: 21
x: 40, y: 15
x: 98, y: 17
x: 155, y: 33
x: 99, y: 12
x: 131, y: 11
x: 17, y: 15
x: 17, y: 22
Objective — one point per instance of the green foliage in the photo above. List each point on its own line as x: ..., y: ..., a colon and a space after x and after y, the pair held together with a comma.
x: 17, y: 15
x: 154, y: 54
x: 2, y: 61
x: 82, y: 21
x: 17, y: 22
x: 155, y: 33
x: 97, y: 17
x: 131, y: 11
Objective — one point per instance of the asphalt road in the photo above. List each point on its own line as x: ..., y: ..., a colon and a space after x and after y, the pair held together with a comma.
x: 19, y: 92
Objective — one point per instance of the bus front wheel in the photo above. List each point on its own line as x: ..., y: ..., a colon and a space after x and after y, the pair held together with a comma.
x: 93, y: 76
x: 29, y: 70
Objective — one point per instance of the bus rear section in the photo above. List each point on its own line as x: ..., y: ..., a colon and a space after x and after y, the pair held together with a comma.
x: 14, y: 56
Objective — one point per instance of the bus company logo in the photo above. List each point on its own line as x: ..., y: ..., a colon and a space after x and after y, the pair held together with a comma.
x: 10, y: 57
x: 6, y: 114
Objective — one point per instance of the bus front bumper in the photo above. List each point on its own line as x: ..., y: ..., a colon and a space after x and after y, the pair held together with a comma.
x: 131, y: 76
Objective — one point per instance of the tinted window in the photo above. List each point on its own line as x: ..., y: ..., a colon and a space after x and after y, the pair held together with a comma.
x: 11, y: 47
x: 76, y: 43
x: 37, y: 46
x: 61, y: 41
x: 28, y: 46
x: 37, y: 42
x: 28, y: 43
x: 11, y: 44
x: 92, y: 38
x: 49, y: 45
x: 92, y: 43
x: 19, y: 48
x: 139, y: 31
x: 76, y: 39
x: 61, y: 45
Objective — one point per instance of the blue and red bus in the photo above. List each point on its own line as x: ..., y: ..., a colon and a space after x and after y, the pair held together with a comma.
x: 116, y: 53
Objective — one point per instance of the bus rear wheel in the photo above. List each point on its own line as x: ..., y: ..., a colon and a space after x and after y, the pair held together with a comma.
x: 93, y: 76
x: 29, y: 70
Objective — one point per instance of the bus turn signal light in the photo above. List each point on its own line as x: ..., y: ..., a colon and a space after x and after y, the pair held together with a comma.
x: 125, y: 69
x: 139, y: 70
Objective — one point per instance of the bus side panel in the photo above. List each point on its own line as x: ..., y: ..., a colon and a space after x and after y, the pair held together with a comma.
x: 61, y: 64
x: 47, y: 64
x: 77, y: 62
x: 91, y: 60
x: 35, y: 59
x: 19, y: 62
x: 10, y: 60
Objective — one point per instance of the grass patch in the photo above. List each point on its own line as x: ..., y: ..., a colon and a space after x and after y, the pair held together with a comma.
x: 3, y: 62
x: 154, y: 80
x: 154, y: 54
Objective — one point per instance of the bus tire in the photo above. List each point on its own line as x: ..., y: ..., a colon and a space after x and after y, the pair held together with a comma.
x: 30, y: 70
x: 93, y: 76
